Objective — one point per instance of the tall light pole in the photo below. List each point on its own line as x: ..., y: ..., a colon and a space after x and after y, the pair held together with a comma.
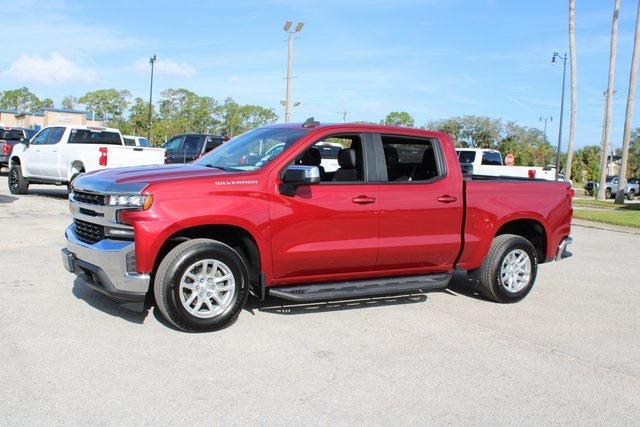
x: 152, y: 61
x: 545, y: 120
x: 290, y: 33
x: 564, y: 75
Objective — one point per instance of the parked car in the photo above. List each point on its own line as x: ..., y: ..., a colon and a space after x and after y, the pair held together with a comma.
x: 632, y: 189
x: 10, y: 137
x: 57, y: 154
x: 489, y: 162
x: 136, y: 141
x: 188, y: 147
x: 394, y: 217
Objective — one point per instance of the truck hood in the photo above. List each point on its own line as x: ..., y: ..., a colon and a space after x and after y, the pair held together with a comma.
x: 134, y: 179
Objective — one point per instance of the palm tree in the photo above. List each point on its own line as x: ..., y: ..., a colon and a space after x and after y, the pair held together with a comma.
x: 574, y: 94
x: 631, y: 99
x: 608, y: 101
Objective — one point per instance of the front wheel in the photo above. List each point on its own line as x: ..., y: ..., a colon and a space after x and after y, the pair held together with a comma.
x: 201, y: 285
x: 17, y: 183
x: 509, y: 270
x: 607, y: 193
x: 631, y: 194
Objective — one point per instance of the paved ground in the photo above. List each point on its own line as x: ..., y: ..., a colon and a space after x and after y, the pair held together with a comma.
x: 569, y: 353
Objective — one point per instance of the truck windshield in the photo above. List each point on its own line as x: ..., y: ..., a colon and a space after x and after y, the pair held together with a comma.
x: 88, y: 136
x: 252, y: 150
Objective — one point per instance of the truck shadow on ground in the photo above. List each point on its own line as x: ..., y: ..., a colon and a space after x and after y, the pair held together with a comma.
x: 459, y: 286
x: 98, y: 301
x: 54, y: 193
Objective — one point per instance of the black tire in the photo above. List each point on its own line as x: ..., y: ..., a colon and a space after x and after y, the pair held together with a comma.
x: 17, y: 183
x: 176, y: 263
x: 491, y: 284
x: 74, y: 176
x: 631, y: 195
x: 607, y: 193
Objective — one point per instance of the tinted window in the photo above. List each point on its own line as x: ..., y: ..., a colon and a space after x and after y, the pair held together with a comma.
x: 213, y: 142
x: 174, y: 145
x: 144, y: 143
x: 41, y: 138
x: 491, y: 158
x: 466, y: 156
x: 129, y: 141
x: 409, y: 159
x: 55, y: 135
x: 192, y: 145
x: 89, y: 136
x: 11, y: 134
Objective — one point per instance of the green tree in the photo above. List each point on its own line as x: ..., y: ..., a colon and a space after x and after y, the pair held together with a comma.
x: 108, y: 104
x: 233, y: 119
x: 69, y: 102
x: 45, y: 103
x: 399, y: 118
x: 139, y: 117
x: 22, y: 100
x: 470, y: 131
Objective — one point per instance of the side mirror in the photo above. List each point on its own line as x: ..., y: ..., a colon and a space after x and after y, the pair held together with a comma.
x: 25, y: 141
x: 297, y: 175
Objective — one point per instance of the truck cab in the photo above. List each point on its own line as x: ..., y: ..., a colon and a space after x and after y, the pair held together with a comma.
x: 188, y: 147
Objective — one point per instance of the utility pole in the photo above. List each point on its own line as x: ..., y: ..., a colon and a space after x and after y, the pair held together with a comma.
x: 574, y: 91
x: 608, y: 102
x: 152, y: 61
x: 631, y: 99
x: 290, y: 34
x: 344, y: 115
x: 564, y: 76
x: 545, y: 120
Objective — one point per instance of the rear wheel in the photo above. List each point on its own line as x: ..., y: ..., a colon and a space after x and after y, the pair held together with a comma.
x: 201, y: 285
x: 631, y: 194
x: 509, y: 270
x: 17, y: 183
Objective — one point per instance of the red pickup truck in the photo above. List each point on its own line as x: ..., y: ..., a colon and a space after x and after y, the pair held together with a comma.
x: 309, y: 212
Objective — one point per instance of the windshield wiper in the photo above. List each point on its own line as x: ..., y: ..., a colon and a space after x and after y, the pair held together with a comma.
x: 220, y: 167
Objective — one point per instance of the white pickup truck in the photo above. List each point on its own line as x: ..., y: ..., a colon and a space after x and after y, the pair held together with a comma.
x: 489, y: 162
x: 57, y: 154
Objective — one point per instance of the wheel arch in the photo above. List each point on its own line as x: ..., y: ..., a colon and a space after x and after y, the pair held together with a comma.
x: 238, y: 238
x: 532, y: 230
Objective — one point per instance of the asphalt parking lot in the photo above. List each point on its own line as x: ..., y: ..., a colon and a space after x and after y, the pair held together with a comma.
x: 568, y: 354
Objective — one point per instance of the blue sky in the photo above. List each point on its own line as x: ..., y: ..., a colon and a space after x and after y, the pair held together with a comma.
x: 432, y: 58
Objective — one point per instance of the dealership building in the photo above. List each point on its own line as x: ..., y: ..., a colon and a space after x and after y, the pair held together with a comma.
x: 48, y: 117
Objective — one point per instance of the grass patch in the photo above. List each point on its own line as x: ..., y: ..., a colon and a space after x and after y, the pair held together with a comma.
x: 610, y: 216
x: 606, y: 204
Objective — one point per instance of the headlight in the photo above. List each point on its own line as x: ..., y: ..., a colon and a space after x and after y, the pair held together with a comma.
x: 131, y: 201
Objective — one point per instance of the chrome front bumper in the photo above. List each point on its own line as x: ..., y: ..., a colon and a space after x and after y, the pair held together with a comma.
x: 562, y: 249
x: 104, y: 266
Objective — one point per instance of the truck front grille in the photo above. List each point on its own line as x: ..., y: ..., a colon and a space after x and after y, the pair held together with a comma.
x: 89, y: 198
x: 88, y: 232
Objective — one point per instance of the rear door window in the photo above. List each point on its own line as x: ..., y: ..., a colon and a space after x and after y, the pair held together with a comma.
x: 144, y: 143
x: 192, y: 145
x: 213, y: 142
x: 466, y: 156
x: 129, y: 142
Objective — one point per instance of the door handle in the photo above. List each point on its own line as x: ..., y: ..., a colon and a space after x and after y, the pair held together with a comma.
x: 363, y: 200
x: 447, y: 199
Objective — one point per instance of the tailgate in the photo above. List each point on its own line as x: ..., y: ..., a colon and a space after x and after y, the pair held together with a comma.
x: 121, y: 156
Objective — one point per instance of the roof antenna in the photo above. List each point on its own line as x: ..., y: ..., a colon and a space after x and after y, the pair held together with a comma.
x: 309, y: 123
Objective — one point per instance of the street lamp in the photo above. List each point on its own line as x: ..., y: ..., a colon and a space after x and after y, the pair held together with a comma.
x: 287, y: 101
x: 556, y: 56
x: 152, y: 61
x: 545, y: 120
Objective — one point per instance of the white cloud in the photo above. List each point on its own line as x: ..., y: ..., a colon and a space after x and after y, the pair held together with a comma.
x: 53, y: 70
x: 167, y: 67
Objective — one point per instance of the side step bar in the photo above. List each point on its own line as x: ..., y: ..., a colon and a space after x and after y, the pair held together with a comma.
x: 360, y: 288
